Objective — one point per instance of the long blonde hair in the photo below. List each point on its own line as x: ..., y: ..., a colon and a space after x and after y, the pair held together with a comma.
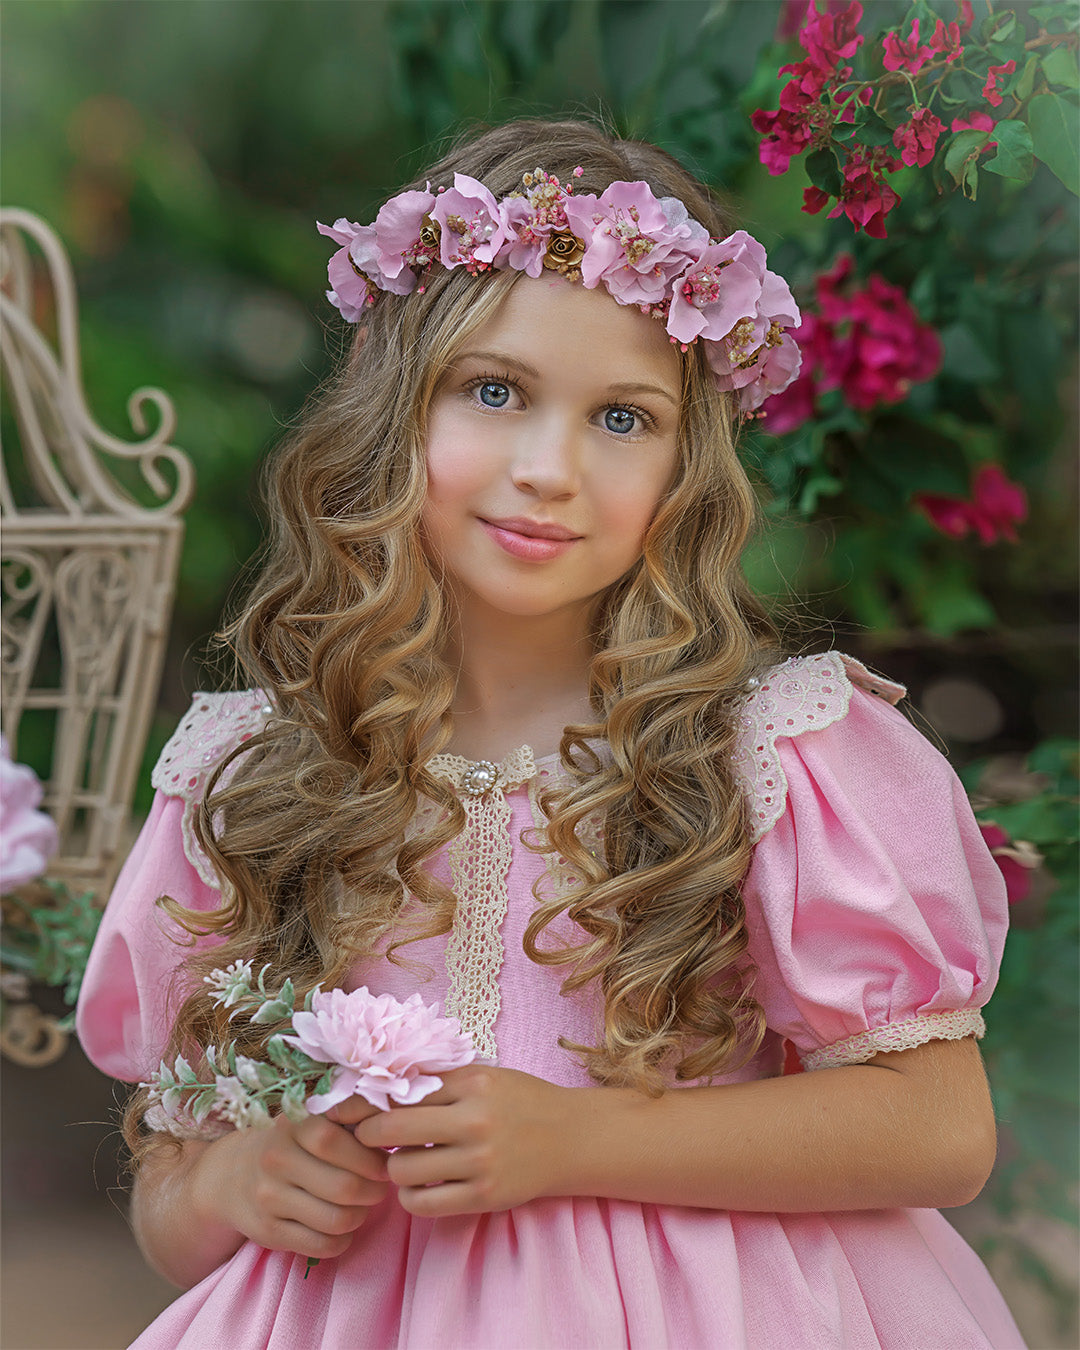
x: 342, y: 630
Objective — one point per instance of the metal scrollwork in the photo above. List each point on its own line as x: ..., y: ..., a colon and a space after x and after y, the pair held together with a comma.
x: 88, y: 566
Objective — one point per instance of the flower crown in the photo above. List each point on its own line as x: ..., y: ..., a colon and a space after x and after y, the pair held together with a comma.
x: 645, y: 250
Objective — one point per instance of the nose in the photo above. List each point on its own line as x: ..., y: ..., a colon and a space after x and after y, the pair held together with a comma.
x: 547, y: 459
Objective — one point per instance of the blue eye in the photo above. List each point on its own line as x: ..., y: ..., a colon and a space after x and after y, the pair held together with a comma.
x: 494, y: 394
x: 619, y: 420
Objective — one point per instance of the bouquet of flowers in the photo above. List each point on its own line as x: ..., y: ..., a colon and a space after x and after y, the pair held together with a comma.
x: 336, y: 1046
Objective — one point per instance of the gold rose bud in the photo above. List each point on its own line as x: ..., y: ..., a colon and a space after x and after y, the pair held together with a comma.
x: 564, y: 251
x: 429, y: 233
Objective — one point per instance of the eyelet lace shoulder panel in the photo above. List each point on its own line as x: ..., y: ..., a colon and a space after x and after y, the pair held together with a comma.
x: 212, y: 726
x: 804, y: 694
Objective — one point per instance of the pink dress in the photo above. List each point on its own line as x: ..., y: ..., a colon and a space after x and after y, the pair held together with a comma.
x: 878, y: 919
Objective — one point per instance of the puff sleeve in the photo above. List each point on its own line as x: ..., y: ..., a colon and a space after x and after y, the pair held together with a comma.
x: 125, y: 1007
x: 877, y: 916
x: 129, y: 995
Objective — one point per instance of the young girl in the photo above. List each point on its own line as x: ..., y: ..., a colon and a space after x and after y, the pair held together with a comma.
x: 522, y: 743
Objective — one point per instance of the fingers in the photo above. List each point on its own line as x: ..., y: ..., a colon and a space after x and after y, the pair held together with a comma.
x: 408, y: 1127
x: 337, y: 1146
x: 351, y: 1111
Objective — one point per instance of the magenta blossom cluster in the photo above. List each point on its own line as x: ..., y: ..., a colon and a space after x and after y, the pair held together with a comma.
x: 820, y: 94
x: 644, y: 250
x: 996, y: 506
x: 865, y: 340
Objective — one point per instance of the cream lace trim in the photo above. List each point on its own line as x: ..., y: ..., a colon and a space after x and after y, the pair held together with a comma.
x: 943, y: 1026
x: 479, y: 861
x: 806, y: 693
x: 212, y: 726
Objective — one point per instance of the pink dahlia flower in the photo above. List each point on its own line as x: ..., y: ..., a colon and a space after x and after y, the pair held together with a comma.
x: 28, y: 837
x: 384, y: 1050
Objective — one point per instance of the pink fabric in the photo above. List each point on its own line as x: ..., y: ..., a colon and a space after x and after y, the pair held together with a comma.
x: 871, y: 900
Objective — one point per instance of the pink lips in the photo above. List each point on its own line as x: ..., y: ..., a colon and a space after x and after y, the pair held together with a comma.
x: 533, y: 540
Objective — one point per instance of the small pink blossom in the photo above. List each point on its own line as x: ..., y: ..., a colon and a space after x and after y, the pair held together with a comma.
x: 989, y: 89
x: 28, y: 837
x: 965, y: 14
x: 833, y: 36
x: 945, y: 41
x: 865, y: 198
x: 906, y: 54
x: 997, y: 505
x: 916, y: 139
x: 383, y: 1050
x: 1017, y: 860
x: 976, y: 121
x: 473, y: 226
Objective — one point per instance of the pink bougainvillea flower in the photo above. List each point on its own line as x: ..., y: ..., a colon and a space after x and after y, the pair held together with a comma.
x: 28, y: 837
x: 906, y: 54
x: 383, y: 1050
x: 976, y: 121
x: 1017, y: 860
x: 472, y: 226
x: 866, y: 199
x: 814, y: 200
x: 950, y: 515
x: 990, y: 89
x: 945, y: 41
x: 965, y: 14
x: 865, y: 340
x: 997, y: 505
x: 916, y: 139
x: 833, y: 36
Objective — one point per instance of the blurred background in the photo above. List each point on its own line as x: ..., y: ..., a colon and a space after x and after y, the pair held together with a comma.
x: 918, y: 484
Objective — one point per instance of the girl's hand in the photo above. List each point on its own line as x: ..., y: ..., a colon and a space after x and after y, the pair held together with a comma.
x: 302, y: 1188
x: 497, y: 1138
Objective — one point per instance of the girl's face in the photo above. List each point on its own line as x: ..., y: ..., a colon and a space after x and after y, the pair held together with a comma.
x: 551, y: 441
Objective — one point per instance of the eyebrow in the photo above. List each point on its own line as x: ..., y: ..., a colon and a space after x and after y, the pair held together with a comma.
x: 523, y: 368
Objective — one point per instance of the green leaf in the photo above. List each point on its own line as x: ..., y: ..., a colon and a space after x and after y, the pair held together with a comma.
x: 278, y: 1052
x: 1013, y: 158
x: 961, y: 160
x: 1054, y: 136
x: 999, y: 27
x: 824, y: 172
x: 1025, y: 86
x: 272, y: 1011
x: 873, y: 130
x: 1059, y: 67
